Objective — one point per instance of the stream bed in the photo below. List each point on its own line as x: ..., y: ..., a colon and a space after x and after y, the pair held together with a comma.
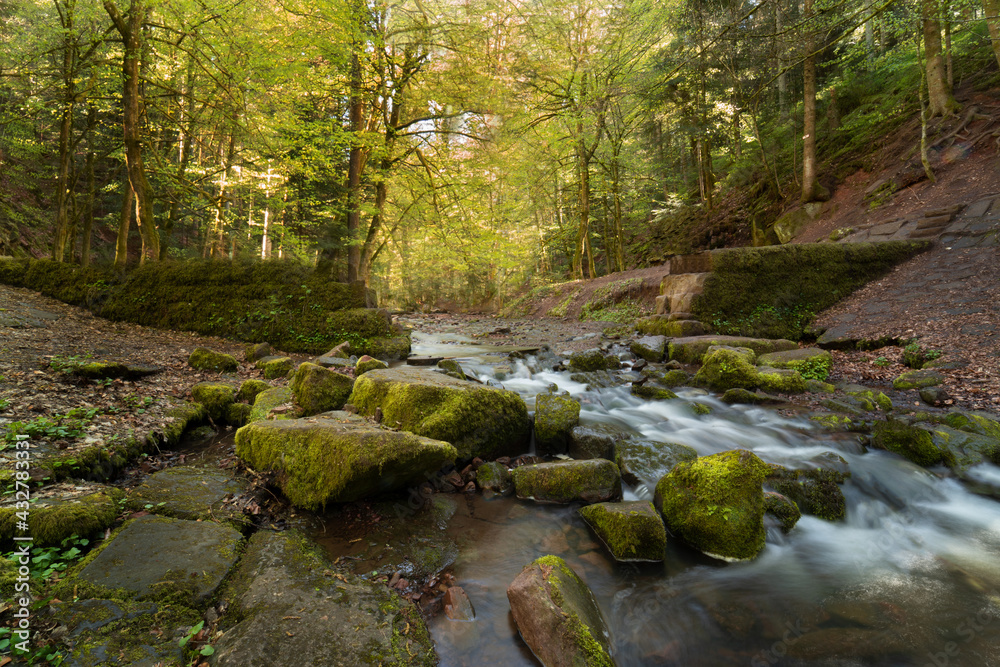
x: 911, y: 577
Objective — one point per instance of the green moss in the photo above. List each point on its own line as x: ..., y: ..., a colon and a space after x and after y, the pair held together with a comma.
x: 215, y: 396
x: 593, y: 480
x: 238, y: 414
x: 692, y: 350
x: 555, y: 416
x: 98, y: 370
x: 250, y: 388
x: 652, y: 391
x: 917, y: 380
x: 817, y: 387
x: 203, y: 359
x: 833, y: 422
x: 50, y: 521
x: 974, y: 422
x: 815, y: 491
x: 783, y: 509
x: 782, y: 381
x: 716, y: 504
x: 631, y: 531
x: 366, y: 364
x: 811, y: 363
x: 908, y: 441
x: 700, y: 409
x: 726, y: 368
x: 268, y: 400
x: 275, y: 368
x: 593, y: 360
x: 675, y: 378
x: 772, y: 291
x: 317, y: 389
x: 256, y: 351
x: 661, y: 325
x: 494, y: 477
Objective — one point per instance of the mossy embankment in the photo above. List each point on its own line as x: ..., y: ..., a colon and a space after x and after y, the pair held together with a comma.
x: 291, y: 306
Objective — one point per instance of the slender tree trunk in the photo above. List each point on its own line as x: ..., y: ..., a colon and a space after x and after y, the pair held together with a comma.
x: 939, y: 98
x: 583, y: 199
x: 186, y: 138
x: 63, y: 181
x: 88, y: 213
x: 949, y: 69
x: 869, y: 41
x: 782, y: 63
x: 124, y: 222
x: 811, y: 189
x: 354, y: 168
x: 992, y: 10
x: 924, y: 157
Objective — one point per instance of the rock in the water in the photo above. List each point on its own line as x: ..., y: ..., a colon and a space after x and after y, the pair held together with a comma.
x: 716, y: 504
x: 319, y: 389
x: 632, y: 531
x: 725, y: 368
x: 908, y: 441
x: 653, y: 391
x: 366, y: 363
x: 557, y: 616
x: 815, y: 491
x: 157, y: 556
x: 650, y: 348
x: 215, y: 396
x: 780, y: 380
x: 647, y: 461
x: 477, y: 420
x: 555, y: 416
x: 339, y: 457
x: 64, y: 510
x: 736, y: 396
x: 271, y: 399
x: 187, y: 493
x: 783, y: 509
x: 593, y: 360
x: 457, y: 605
x: 917, y: 380
x: 452, y: 368
x: 963, y: 450
x: 292, y: 613
x: 204, y: 359
x: 690, y: 350
x: 493, y: 478
x: 810, y: 362
x: 596, y: 441
x: 593, y: 481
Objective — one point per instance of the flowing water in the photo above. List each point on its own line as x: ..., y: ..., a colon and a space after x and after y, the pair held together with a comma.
x: 911, y: 577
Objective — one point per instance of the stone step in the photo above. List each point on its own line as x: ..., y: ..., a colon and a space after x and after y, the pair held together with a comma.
x: 939, y: 221
x: 944, y: 210
x: 978, y: 209
x: 926, y: 232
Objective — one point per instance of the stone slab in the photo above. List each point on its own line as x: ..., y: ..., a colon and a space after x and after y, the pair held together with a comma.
x: 155, y: 554
x: 886, y: 228
x: 188, y: 493
x: 977, y: 209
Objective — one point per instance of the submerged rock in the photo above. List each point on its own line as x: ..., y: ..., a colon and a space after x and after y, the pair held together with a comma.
x: 647, y: 461
x: 783, y: 509
x: 317, y: 389
x: 338, y: 457
x: 592, y: 481
x: 555, y: 417
x: 204, y: 359
x: 716, y: 504
x: 557, y: 616
x: 632, y: 531
x: 596, y: 441
x: 477, y: 420
x: 494, y: 478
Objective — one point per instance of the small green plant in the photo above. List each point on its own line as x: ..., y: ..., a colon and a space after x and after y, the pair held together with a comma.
x: 881, y: 362
x: 69, y: 364
x: 817, y: 368
x: 48, y: 562
x: 206, y: 650
x: 59, y: 427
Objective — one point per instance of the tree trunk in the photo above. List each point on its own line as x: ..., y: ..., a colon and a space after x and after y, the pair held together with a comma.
x: 63, y: 181
x: 811, y: 189
x: 88, y: 213
x: 583, y: 201
x: 124, y: 222
x: 354, y: 168
x: 992, y: 10
x: 939, y: 98
x: 186, y: 138
x: 782, y: 74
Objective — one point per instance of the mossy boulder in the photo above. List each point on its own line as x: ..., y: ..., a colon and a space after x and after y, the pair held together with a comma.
x: 783, y: 509
x: 716, y: 504
x: 662, y: 325
x: 910, y: 442
x: 650, y: 348
x: 832, y: 421
x: 101, y: 370
x: 726, y: 368
x: 631, y: 531
x: 477, y: 420
x: 63, y: 510
x: 819, y: 387
x: 815, y: 491
x: 737, y: 396
x: 591, y: 481
x: 596, y: 441
x: 288, y: 611
x: 338, y: 457
x: 366, y: 363
x: 317, y: 389
x: 691, y: 349
x: 275, y: 367
x: 204, y: 359
x: 917, y: 380
x: 269, y: 400
x: 555, y: 417
x: 964, y: 450
x: 452, y: 368
x: 982, y: 423
x: 745, y: 352
x: 653, y: 391
x: 848, y: 405
x: 675, y: 378
x: 249, y: 390
x: 811, y: 363
x: 593, y: 360
x: 493, y: 479
x: 256, y: 351
x: 780, y: 380
x: 238, y: 414
x: 215, y: 396
x: 558, y: 617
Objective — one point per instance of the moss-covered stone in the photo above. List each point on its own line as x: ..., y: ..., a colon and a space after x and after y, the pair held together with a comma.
x: 736, y: 396
x: 100, y: 370
x: 275, y: 367
x: 963, y: 449
x: 256, y: 351
x: 745, y: 352
x: 691, y: 350
x: 908, y: 441
x: 726, y: 368
x: 367, y: 363
x: 67, y: 510
x: 815, y: 491
x: 591, y: 481
x: 646, y: 461
x: 317, y: 389
x: 662, y: 325
x: 596, y: 441
x: 781, y: 380
x: 249, y: 389
x: 817, y: 387
x: 593, y: 360
x: 477, y: 420
x: 675, y: 378
x: 631, y: 531
x: 652, y: 391
x: 811, y: 363
x: 716, y: 504
x: 974, y: 422
x: 493, y: 478
x: 848, y: 405
x: 869, y: 398
x: 557, y: 616
x: 337, y: 457
x: 215, y: 396
x: 204, y: 359
x: 186, y: 492
x: 783, y: 509
x: 650, y: 348
x: 555, y: 417
x: 917, y: 380
x: 268, y: 400
x: 833, y: 422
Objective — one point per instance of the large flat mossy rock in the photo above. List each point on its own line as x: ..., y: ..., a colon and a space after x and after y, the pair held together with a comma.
x: 632, y: 531
x: 557, y: 616
x: 204, y: 359
x: 290, y: 612
x: 593, y: 481
x: 716, y: 504
x: 691, y: 349
x: 339, y: 457
x: 555, y: 417
x: 810, y: 362
x: 61, y: 510
x: 319, y: 389
x: 477, y: 420
x: 156, y: 556
x: 917, y: 380
x: 662, y: 325
x: 188, y: 493
x: 910, y: 442
x: 964, y: 450
x: 727, y: 368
